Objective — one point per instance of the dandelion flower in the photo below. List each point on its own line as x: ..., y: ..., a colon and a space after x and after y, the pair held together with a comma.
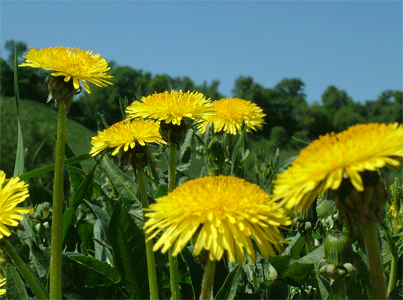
x: 2, y: 283
x: 126, y: 134
x: 170, y: 107
x: 223, y: 213
x: 12, y: 192
x: 337, y: 161
x: 70, y: 63
x: 230, y: 113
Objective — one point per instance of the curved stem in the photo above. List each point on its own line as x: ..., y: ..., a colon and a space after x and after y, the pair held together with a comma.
x: 173, y: 261
x: 371, y: 240
x: 55, y: 286
x: 35, y: 285
x: 152, y: 274
x: 208, y: 280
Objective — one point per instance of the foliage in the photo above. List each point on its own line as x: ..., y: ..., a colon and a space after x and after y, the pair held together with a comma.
x: 104, y: 249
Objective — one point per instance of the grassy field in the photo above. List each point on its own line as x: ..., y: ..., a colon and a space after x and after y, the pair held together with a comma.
x: 39, y: 124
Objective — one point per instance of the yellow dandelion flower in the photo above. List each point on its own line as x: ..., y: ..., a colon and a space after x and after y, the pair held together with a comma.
x: 230, y: 113
x: 126, y: 134
x: 324, y: 163
x: 2, y: 283
x: 170, y: 107
x: 72, y: 63
x: 223, y: 213
x: 12, y: 192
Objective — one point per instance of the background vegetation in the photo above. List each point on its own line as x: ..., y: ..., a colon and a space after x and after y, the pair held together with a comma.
x: 290, y: 121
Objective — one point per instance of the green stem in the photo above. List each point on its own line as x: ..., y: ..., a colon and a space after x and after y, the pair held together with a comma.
x: 393, y: 267
x: 173, y: 261
x: 152, y: 274
x: 55, y: 285
x: 32, y: 281
x: 339, y: 288
x: 208, y: 280
x: 371, y: 240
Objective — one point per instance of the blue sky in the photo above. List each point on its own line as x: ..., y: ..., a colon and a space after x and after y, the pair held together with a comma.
x: 354, y: 45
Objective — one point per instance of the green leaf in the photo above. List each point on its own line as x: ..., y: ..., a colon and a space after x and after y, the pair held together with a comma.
x: 294, y: 248
x: 313, y: 257
x: 101, y: 214
x: 15, y: 288
x: 69, y: 153
x: 229, y: 288
x: 128, y: 243
x: 76, y: 200
x: 51, y: 167
x: 101, y: 249
x: 127, y: 189
x: 195, y: 271
x: 125, y: 185
x: 123, y: 103
x: 162, y: 190
x: 294, y: 273
x: 104, y: 122
x: 185, y: 152
x: 93, y: 272
x: 19, y: 159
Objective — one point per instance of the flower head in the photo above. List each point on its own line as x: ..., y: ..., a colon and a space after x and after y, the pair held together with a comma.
x: 230, y: 113
x: 170, y: 107
x: 223, y: 213
x: 334, y: 158
x: 2, y: 283
x: 126, y: 134
x: 71, y: 63
x: 12, y: 192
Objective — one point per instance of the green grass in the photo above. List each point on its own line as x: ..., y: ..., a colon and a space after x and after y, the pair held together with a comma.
x: 39, y: 124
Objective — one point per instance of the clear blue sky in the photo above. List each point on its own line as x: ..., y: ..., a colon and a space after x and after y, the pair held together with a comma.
x: 354, y: 45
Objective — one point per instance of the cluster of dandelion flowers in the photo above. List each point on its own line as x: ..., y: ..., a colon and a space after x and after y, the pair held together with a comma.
x: 170, y: 107
x: 72, y: 64
x: 346, y: 163
x: 126, y: 134
x: 230, y: 113
x: 12, y: 192
x: 223, y: 213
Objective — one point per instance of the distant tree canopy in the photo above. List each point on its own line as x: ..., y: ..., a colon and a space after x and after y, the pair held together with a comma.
x: 287, y: 112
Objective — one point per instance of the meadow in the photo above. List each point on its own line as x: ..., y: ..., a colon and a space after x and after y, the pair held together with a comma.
x: 235, y: 248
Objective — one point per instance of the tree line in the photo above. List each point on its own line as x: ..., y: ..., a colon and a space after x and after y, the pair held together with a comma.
x: 287, y: 112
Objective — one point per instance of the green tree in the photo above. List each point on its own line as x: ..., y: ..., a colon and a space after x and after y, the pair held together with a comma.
x: 20, y: 47
x: 347, y: 116
x: 315, y: 121
x: 210, y: 91
x: 386, y: 109
x: 334, y: 99
x: 160, y: 84
x: 105, y: 101
x: 6, y: 79
x: 31, y: 81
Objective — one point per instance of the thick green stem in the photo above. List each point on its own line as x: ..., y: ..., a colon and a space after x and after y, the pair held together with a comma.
x: 152, y: 274
x: 371, y: 240
x: 208, y: 280
x: 173, y: 261
x: 32, y: 281
x: 55, y: 286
